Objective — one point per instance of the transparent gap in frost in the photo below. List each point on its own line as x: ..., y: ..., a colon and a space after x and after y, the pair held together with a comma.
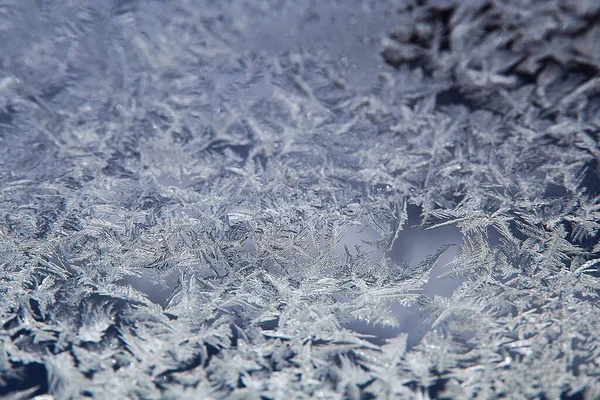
x: 156, y: 292
x: 414, y: 244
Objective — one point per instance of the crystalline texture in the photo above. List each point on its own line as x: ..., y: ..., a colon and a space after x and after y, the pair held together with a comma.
x: 358, y: 199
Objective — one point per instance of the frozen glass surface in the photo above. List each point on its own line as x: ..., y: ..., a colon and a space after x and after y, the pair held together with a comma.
x: 299, y: 199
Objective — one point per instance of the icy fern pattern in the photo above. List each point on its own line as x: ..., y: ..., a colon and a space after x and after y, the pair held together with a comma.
x: 142, y: 146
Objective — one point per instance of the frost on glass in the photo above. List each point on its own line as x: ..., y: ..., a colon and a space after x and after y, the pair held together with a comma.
x: 262, y: 200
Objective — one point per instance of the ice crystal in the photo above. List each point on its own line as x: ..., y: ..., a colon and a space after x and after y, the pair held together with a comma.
x: 266, y: 200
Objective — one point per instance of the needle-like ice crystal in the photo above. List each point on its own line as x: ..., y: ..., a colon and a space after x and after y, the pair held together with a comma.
x: 299, y: 199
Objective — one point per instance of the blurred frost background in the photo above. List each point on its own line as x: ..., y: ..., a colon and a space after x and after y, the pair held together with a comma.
x: 257, y: 200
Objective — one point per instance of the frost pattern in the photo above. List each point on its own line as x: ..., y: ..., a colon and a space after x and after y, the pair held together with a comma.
x: 145, y: 145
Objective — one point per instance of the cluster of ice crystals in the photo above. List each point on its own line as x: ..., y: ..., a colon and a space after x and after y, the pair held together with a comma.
x: 214, y: 199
